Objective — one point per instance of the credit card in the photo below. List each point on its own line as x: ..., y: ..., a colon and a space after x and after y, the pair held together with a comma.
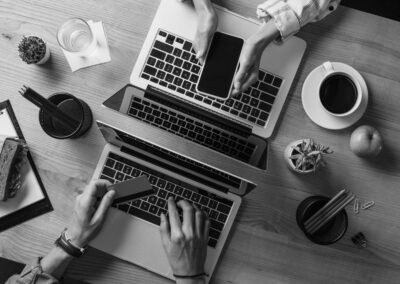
x: 132, y: 189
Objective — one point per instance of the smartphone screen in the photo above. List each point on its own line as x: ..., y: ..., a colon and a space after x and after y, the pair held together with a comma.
x: 220, y: 66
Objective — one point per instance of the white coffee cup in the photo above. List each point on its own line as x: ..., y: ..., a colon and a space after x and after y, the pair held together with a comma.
x: 344, y: 102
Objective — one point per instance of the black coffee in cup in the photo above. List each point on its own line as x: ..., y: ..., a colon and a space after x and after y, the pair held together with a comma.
x: 338, y: 93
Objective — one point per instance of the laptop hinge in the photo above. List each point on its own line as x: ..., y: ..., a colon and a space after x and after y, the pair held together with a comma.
x: 194, y: 110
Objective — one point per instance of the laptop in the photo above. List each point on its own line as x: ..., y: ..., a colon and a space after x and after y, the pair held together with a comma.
x: 166, y: 73
x: 131, y: 230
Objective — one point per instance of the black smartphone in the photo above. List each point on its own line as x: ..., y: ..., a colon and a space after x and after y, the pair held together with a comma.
x: 220, y: 66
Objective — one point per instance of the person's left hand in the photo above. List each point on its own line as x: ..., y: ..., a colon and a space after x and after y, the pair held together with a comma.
x: 91, y: 207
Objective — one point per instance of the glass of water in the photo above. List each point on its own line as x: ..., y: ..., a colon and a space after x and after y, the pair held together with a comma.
x: 76, y: 36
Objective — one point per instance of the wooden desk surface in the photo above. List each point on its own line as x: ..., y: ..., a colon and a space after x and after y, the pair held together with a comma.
x: 266, y: 245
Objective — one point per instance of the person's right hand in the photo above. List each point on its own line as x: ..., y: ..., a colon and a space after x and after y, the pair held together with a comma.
x: 185, y: 243
x: 207, y: 22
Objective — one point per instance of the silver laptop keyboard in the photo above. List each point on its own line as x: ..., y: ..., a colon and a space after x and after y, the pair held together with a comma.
x: 117, y: 169
x: 192, y: 129
x: 172, y: 63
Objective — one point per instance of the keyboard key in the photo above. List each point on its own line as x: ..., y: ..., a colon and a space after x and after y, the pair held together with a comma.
x: 195, y: 69
x: 213, y: 214
x: 150, y: 70
x: 268, y: 78
x: 180, y: 90
x: 170, y: 39
x: 145, y: 206
x: 246, y: 109
x: 198, y: 97
x: 186, y: 85
x: 194, y: 78
x: 170, y: 58
x: 162, y: 203
x: 254, y: 102
x: 161, y: 211
x: 160, y: 64
x: 255, y: 93
x: 178, y: 190
x: 193, y: 59
x: 158, y: 54
x: 145, y: 76
x: 214, y: 234
x: 187, y: 194
x: 222, y: 217
x: 144, y: 215
x: 177, y: 71
x: 110, y: 163
x: 187, y: 46
x: 177, y: 52
x: 127, y: 170
x: 265, y: 107
x: 172, y: 87
x: 118, y: 166
x: 195, y: 197
x: 151, y: 61
x: 216, y: 225
x: 170, y: 186
x: 212, y: 243
x: 277, y: 82
x: 153, y: 209
x: 152, y: 199
x: 178, y: 81
x: 217, y: 105
x: 186, y: 55
x: 152, y: 79
x: 267, y: 98
x: 186, y: 65
x: 263, y: 116
x: 204, y: 200
x: 163, y: 46
x: 178, y: 62
x: 179, y: 40
x: 163, y: 34
x: 223, y: 208
x: 168, y: 67
x: 268, y: 89
x: 186, y: 75
x: 161, y: 74
x: 169, y: 78
x: 261, y: 75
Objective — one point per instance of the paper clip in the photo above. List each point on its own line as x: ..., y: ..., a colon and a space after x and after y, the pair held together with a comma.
x: 367, y: 205
x: 356, y: 206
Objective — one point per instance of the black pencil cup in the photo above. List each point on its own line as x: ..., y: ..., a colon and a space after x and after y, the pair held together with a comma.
x: 331, y: 232
x: 72, y: 106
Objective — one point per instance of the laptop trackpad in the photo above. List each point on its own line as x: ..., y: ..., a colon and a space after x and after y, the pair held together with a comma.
x: 133, y: 240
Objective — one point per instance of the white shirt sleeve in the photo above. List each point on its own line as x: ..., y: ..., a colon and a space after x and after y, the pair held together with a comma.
x: 290, y: 15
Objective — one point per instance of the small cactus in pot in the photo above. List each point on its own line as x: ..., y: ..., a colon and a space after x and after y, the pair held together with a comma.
x: 306, y: 156
x: 33, y: 50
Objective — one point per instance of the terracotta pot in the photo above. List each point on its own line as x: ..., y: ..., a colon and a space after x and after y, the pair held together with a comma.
x: 289, y: 151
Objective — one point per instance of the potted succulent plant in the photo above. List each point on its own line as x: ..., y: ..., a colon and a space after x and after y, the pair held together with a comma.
x: 33, y: 50
x: 305, y: 155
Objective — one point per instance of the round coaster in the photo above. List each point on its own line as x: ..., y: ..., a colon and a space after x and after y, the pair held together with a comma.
x: 312, y: 105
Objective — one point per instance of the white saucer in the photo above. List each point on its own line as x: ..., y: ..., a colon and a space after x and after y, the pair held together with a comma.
x: 312, y: 105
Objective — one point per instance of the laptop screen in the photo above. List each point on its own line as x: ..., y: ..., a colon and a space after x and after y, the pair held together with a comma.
x: 171, y: 160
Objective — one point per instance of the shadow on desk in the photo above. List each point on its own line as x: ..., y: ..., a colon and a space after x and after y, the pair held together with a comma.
x: 9, y: 268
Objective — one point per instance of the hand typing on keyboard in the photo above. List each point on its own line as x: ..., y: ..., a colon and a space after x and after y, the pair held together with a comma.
x: 185, y: 242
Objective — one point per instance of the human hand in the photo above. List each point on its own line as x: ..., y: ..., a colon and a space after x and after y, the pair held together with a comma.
x: 249, y: 62
x: 91, y: 207
x: 207, y: 22
x: 185, y: 243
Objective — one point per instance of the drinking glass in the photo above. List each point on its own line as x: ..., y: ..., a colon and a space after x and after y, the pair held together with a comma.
x: 76, y: 36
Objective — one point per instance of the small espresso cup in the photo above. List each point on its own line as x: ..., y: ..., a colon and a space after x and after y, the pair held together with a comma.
x: 340, y: 93
x: 72, y: 106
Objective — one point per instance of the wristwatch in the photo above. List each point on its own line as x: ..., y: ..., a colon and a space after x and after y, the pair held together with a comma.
x: 66, y: 244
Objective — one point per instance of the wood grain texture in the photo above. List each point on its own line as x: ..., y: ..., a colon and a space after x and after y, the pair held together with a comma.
x: 266, y: 245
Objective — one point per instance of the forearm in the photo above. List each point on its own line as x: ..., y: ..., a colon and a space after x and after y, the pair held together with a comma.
x: 265, y: 35
x: 56, y: 262
x: 203, y: 6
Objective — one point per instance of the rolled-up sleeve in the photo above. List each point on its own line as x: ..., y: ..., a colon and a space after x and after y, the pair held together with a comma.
x: 32, y: 274
x: 290, y: 15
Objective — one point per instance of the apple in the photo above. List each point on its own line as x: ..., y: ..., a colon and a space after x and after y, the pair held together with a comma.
x: 366, y: 141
